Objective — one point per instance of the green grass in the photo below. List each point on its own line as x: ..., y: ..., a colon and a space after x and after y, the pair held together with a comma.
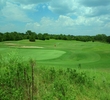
x: 37, y: 54
x: 52, y: 63
x: 66, y: 53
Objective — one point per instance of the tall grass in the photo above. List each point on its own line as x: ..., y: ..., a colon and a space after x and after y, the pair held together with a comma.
x: 70, y: 84
x: 24, y: 80
x: 15, y: 78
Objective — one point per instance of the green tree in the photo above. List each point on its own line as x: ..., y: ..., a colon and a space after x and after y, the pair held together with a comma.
x: 46, y: 36
x: 108, y: 39
x: 1, y: 37
x: 101, y: 37
x: 28, y: 33
x: 6, y: 36
x: 40, y: 36
x: 32, y: 38
x: 31, y: 35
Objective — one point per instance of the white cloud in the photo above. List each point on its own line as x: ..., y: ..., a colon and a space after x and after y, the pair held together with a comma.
x: 32, y: 26
x: 87, y: 8
x: 64, y: 25
x: 63, y: 6
x: 93, y: 11
x: 67, y: 25
x: 73, y: 16
x: 29, y: 7
x: 30, y: 1
x: 65, y: 21
x: 93, y: 3
x: 45, y: 25
x: 13, y: 12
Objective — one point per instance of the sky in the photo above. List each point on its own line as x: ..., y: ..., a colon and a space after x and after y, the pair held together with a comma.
x: 75, y: 17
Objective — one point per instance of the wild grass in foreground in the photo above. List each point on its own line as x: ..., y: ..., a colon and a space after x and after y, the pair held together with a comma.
x: 19, y: 81
x: 16, y: 78
x: 70, y: 84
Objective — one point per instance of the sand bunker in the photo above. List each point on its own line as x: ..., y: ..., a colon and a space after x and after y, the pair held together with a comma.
x: 30, y: 47
x: 11, y: 44
x: 16, y: 45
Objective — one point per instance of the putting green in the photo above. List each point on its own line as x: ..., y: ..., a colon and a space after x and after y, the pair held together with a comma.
x: 37, y: 54
x: 42, y: 54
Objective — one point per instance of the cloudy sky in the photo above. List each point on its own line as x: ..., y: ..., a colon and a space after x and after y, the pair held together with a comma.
x: 77, y: 17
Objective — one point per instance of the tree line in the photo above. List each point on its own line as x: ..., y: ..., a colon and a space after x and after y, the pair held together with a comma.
x: 32, y: 36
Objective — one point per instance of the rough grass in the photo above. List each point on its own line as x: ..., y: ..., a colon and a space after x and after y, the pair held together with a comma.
x: 71, y: 84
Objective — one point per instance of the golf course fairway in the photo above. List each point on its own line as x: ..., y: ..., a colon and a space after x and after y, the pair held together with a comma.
x: 57, y: 69
x: 60, y: 53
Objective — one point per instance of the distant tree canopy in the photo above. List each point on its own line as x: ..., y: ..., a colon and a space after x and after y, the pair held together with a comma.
x: 32, y: 36
x: 1, y: 37
x: 83, y: 38
x: 13, y: 36
x: 108, y: 39
x: 101, y: 37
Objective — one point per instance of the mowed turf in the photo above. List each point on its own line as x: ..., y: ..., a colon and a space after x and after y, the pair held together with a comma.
x: 60, y: 53
x: 35, y: 54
